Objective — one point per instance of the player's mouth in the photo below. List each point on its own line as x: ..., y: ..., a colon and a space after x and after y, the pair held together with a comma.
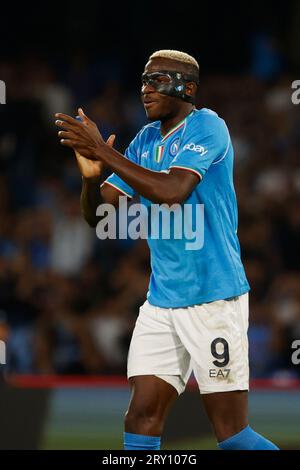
x: 148, y: 104
x: 149, y: 101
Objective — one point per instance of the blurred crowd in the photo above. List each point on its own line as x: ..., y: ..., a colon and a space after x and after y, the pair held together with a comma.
x: 68, y: 301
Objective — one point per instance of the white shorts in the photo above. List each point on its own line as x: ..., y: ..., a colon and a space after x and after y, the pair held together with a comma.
x: 209, y: 340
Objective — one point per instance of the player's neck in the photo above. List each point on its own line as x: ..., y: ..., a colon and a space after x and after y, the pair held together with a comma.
x: 172, y: 122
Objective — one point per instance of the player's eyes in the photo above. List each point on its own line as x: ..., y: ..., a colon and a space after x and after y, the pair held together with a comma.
x: 158, y: 79
x: 162, y: 79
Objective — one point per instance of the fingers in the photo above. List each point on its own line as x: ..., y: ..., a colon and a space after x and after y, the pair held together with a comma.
x: 67, y: 122
x: 67, y: 135
x: 84, y: 118
x: 63, y: 125
x: 64, y: 117
x: 71, y: 139
x: 111, y: 140
x: 69, y: 130
x: 69, y: 143
x: 81, y: 134
x: 68, y: 127
x: 78, y: 147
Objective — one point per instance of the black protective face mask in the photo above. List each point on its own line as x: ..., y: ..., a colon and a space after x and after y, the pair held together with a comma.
x: 169, y: 83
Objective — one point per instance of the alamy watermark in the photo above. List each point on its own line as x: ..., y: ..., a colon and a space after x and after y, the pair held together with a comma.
x: 296, y: 94
x: 2, y: 352
x: 2, y: 92
x: 155, y: 221
x: 296, y: 354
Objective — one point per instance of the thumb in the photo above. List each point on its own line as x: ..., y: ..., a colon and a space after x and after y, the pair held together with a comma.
x: 111, y: 140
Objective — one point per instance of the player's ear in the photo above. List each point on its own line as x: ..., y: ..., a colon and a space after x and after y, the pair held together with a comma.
x: 190, y: 88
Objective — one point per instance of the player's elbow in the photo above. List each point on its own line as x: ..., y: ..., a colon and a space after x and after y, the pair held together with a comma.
x: 174, y: 199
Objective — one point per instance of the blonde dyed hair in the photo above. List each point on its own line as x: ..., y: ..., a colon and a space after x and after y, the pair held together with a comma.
x: 175, y: 55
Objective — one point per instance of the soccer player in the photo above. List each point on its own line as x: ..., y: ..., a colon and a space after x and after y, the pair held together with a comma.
x: 195, y: 317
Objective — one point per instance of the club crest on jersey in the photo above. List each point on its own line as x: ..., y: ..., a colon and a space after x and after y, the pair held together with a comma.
x: 174, y: 147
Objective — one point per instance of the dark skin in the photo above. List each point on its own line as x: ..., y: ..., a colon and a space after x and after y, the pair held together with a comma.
x: 152, y: 397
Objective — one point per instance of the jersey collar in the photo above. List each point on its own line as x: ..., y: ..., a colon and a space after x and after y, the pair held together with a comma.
x: 178, y: 126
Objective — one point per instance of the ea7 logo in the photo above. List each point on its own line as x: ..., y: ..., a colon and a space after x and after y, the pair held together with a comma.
x: 219, y: 373
x: 195, y: 148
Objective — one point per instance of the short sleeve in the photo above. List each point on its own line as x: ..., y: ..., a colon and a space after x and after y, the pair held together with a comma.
x: 204, y: 143
x: 115, y: 181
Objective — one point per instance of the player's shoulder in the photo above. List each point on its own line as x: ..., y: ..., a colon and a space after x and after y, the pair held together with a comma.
x: 149, y: 130
x: 207, y: 120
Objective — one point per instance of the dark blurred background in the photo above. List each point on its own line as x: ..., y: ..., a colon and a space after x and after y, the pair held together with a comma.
x: 68, y: 301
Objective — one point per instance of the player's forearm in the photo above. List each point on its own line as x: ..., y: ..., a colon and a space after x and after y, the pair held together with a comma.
x: 90, y: 199
x: 153, y: 185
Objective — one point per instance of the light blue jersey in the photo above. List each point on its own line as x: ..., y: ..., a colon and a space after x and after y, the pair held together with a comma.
x: 183, y: 277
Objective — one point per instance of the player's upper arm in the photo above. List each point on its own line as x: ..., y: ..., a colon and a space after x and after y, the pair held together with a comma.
x: 110, y: 193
